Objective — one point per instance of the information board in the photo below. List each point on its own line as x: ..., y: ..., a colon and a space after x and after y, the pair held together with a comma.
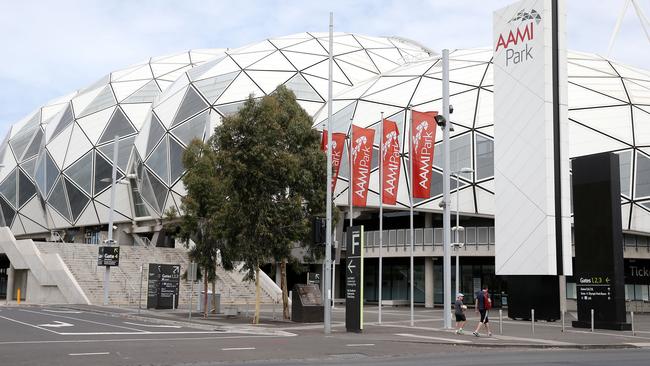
x: 163, y: 285
x: 354, y: 280
x: 309, y: 295
x: 108, y: 257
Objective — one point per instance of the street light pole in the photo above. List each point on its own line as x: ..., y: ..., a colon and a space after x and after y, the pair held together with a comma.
x: 457, y: 244
x: 328, y: 226
x: 109, y: 242
x: 446, y: 219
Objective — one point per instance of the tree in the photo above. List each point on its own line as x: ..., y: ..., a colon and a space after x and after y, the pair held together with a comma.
x: 273, y: 175
x: 199, y: 211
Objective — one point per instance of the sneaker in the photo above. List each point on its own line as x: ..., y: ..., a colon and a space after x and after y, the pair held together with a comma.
x: 461, y: 331
x: 458, y: 331
x: 476, y: 334
x: 490, y: 334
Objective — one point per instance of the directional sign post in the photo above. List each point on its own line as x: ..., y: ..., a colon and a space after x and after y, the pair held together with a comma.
x: 108, y: 256
x: 354, y: 280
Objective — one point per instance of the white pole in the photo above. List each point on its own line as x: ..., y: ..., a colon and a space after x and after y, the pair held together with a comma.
x: 107, y: 273
x: 411, y: 213
x: 351, y: 164
x: 457, y: 248
x: 445, y: 180
x: 333, y: 282
x: 328, y: 226
x: 381, y: 206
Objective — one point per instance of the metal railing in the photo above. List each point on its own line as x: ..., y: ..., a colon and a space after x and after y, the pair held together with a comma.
x: 476, y: 236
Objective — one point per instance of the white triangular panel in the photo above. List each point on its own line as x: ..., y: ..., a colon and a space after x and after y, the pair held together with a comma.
x: 273, y: 62
x: 94, y: 124
x: 160, y: 69
x: 79, y: 145
x: 397, y: 95
x: 57, y: 220
x: 238, y: 90
x: 137, y: 113
x: 179, y: 188
x: 625, y: 215
x: 88, y: 216
x: 139, y: 73
x: 269, y: 80
x: 116, y: 75
x: 103, y: 212
x: 34, y: 211
x: 122, y: 201
x: 246, y: 59
x: 17, y: 228
x: 59, y: 145
x: 601, y: 120
x: 31, y: 227
x: 80, y: 102
x: 303, y: 60
x: 224, y: 66
x: 585, y: 141
x: 640, y: 220
x: 322, y: 70
x: 311, y: 107
x: 580, y: 97
x: 167, y: 109
x: 311, y: 46
x: 485, y: 202
x: 641, y: 127
x: 123, y: 89
x: 163, y: 84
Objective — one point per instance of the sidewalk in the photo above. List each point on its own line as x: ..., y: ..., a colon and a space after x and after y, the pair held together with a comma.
x: 395, y: 327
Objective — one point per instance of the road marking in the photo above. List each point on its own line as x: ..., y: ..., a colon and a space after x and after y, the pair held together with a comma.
x: 238, y: 349
x: 89, y: 354
x: 432, y: 338
x: 360, y: 345
x: 63, y: 311
x: 31, y: 325
x: 175, y: 339
x: 57, y: 324
x: 83, y: 320
x: 642, y: 345
x: 154, y: 325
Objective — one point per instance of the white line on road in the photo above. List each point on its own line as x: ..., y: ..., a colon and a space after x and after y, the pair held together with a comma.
x: 154, y: 325
x: 451, y: 340
x: 82, y: 320
x: 63, y: 311
x: 157, y: 339
x: 238, y: 349
x: 360, y: 345
x: 31, y: 325
x: 89, y: 354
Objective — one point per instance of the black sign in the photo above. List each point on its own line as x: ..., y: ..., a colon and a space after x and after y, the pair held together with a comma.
x: 108, y: 256
x: 163, y: 285
x: 354, y: 280
x: 598, y: 272
x: 637, y: 271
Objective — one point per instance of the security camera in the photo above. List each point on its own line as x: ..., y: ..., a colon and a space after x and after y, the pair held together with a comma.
x: 440, y: 120
x: 451, y: 109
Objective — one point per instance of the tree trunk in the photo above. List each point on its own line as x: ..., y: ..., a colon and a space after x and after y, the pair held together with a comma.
x: 205, y: 291
x: 256, y: 319
x: 214, y: 294
x: 285, y: 292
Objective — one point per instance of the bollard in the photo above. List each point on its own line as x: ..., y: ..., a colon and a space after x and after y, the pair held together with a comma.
x: 18, y: 295
x: 592, y: 320
x: 173, y: 301
x: 562, y: 321
x: 632, y: 320
x: 500, y: 321
x: 532, y: 319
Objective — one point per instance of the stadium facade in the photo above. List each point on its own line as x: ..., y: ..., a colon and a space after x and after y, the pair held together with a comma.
x: 55, y: 178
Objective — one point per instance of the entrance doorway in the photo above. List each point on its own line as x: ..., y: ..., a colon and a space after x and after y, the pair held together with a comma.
x: 4, y: 268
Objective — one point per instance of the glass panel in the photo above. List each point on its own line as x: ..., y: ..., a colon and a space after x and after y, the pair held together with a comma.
x: 629, y: 292
x: 302, y: 89
x: 51, y: 172
x: 482, y: 235
x: 118, y: 125
x: 418, y: 236
x: 212, y: 88
x: 147, y: 191
x: 138, y: 204
x: 159, y: 190
x: 123, y: 153
x: 191, y: 129
x: 437, y: 236
x: 484, y: 157
x: 103, y: 100
x: 638, y: 292
x: 8, y: 213
x: 147, y: 93
x: 20, y: 142
x: 175, y: 160
x: 392, y: 238
x: 59, y: 201
x: 34, y: 146
x: 78, y: 200
x: 460, y: 150
x: 642, y: 176
x: 156, y: 131
x: 492, y: 240
x: 29, y: 167
x: 8, y: 188
x: 470, y: 235
x: 26, y: 188
x: 39, y: 175
x: 192, y: 103
x: 625, y: 159
x: 158, y: 161
x: 428, y: 236
x: 230, y: 109
x: 65, y: 121
x: 81, y: 172
x: 644, y: 293
x: 103, y: 173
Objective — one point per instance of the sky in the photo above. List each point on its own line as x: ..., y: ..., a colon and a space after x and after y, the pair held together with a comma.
x: 52, y: 48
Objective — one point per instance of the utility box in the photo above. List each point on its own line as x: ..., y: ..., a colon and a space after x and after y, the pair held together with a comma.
x: 307, y: 304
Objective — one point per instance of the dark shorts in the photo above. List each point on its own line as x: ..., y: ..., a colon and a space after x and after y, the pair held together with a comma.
x: 484, y: 316
x: 460, y: 317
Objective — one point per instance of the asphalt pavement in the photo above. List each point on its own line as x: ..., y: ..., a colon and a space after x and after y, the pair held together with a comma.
x: 84, y: 335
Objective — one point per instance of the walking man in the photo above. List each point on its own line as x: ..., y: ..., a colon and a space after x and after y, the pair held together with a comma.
x: 482, y: 305
x: 459, y: 311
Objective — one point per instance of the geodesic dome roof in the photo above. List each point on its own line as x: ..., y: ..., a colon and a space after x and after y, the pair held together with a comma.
x: 609, y: 110
x: 64, y: 150
x: 198, y: 100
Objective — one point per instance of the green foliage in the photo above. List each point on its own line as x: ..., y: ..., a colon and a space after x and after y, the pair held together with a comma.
x: 271, y: 175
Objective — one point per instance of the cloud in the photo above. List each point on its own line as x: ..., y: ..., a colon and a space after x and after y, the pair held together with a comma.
x: 54, y: 47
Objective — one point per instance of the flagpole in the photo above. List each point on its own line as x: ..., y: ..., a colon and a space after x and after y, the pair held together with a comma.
x: 351, y: 168
x: 328, y: 228
x: 381, y: 205
x: 411, y: 200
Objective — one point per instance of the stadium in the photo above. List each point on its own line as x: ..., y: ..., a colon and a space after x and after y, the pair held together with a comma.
x: 57, y: 161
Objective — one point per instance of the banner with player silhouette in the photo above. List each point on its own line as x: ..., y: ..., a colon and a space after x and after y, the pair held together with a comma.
x: 423, y: 138
x: 362, y: 141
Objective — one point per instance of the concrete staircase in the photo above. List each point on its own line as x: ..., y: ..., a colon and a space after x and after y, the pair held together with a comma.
x: 126, y: 279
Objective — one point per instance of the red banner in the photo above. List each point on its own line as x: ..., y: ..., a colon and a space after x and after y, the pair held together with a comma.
x: 338, y: 142
x: 423, y: 138
x: 391, y: 162
x: 362, y: 140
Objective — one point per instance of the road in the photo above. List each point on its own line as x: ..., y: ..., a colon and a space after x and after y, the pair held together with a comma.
x: 62, y: 336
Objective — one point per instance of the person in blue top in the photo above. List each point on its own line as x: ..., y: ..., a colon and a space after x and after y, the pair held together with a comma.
x: 482, y: 305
